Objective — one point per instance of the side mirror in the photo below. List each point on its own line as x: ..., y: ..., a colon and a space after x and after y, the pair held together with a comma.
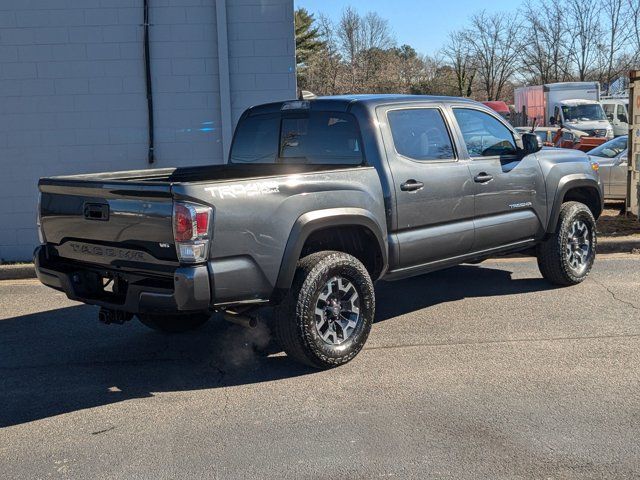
x: 622, y: 159
x: 530, y: 143
x: 552, y: 120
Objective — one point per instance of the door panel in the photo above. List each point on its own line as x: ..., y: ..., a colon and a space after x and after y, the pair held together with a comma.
x: 612, y: 159
x: 434, y: 194
x: 608, y: 166
x: 618, y: 177
x: 505, y: 206
x: 620, y: 125
x: 510, y: 192
x: 436, y: 221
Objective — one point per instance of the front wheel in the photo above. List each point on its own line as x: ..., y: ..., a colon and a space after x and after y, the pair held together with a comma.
x: 326, y: 317
x: 173, y: 323
x: 567, y: 256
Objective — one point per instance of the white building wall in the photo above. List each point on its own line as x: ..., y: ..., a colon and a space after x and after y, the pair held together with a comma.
x: 72, y: 89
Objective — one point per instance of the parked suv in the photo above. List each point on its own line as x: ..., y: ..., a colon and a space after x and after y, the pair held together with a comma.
x: 319, y: 199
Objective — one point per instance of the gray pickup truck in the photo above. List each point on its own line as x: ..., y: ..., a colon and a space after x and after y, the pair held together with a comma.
x: 318, y: 200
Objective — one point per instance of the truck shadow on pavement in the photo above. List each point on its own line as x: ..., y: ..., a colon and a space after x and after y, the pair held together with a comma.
x: 64, y: 360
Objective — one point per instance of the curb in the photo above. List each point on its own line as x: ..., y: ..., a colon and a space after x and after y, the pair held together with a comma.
x: 605, y: 245
x: 17, y: 272
x: 618, y: 245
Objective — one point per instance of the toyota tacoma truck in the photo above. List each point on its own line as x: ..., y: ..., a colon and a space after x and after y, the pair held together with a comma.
x: 318, y: 200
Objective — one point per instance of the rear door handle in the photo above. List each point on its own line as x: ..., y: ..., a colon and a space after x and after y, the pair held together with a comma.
x: 483, y: 177
x: 411, y: 185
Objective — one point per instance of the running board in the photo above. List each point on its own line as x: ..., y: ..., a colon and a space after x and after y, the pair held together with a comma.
x: 452, y: 261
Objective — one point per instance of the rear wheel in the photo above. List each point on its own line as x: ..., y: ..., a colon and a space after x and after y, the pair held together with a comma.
x: 174, y: 323
x: 567, y: 256
x: 326, y: 317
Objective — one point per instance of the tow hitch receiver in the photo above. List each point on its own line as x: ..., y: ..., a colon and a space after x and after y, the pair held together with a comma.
x: 109, y: 316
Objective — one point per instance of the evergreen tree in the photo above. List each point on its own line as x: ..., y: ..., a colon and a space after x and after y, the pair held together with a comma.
x: 308, y: 40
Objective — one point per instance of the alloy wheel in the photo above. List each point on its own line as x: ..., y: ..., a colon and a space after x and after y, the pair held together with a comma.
x: 578, y: 246
x: 337, y: 312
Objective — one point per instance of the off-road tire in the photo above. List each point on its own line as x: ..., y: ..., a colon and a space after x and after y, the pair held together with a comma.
x: 295, y: 318
x: 174, y: 323
x: 552, y: 260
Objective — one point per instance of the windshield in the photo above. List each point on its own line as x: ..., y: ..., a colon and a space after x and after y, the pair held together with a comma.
x: 611, y: 149
x: 583, y: 113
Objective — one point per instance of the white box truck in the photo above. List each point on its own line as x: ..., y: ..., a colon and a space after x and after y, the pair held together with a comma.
x: 573, y: 105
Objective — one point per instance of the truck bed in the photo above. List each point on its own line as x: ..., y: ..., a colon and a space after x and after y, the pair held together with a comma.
x: 206, y: 173
x: 124, y: 220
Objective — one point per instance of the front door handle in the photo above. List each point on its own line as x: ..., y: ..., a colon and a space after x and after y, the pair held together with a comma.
x: 411, y: 185
x: 483, y: 177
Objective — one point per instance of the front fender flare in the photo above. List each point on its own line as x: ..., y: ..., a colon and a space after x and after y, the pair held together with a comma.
x: 567, y: 183
x: 311, y: 222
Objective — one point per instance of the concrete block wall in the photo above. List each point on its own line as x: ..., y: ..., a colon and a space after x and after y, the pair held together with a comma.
x: 72, y: 89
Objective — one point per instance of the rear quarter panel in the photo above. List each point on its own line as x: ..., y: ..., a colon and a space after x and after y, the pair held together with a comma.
x: 253, y: 220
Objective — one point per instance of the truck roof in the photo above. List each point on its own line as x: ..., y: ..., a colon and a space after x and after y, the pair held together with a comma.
x: 570, y: 85
x: 560, y: 86
x: 344, y: 102
x: 577, y: 101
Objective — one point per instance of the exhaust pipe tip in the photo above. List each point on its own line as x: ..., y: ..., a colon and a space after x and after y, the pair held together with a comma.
x: 242, y: 320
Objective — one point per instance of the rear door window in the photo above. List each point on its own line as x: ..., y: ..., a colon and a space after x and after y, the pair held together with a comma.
x: 420, y: 134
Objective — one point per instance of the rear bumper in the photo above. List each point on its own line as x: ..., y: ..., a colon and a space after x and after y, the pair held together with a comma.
x: 188, y: 290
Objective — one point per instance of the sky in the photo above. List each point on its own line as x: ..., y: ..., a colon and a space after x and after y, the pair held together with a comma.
x: 423, y: 24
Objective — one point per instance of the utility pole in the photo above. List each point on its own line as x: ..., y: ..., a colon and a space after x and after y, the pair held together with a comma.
x: 633, y: 174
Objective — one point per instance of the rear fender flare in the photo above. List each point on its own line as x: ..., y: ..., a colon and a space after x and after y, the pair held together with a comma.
x: 311, y: 222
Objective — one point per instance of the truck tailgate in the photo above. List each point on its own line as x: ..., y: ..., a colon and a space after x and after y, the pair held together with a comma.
x: 116, y: 224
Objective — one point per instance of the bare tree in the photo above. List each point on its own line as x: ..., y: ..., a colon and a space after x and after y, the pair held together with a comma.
x: 350, y: 41
x: 544, y: 42
x: 376, y: 41
x: 361, y: 40
x: 376, y: 32
x: 632, y: 10
x: 459, y: 57
x: 617, y: 34
x: 583, y: 24
x: 492, y: 39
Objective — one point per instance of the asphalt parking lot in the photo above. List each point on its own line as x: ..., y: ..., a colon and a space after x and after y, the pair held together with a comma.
x: 477, y: 371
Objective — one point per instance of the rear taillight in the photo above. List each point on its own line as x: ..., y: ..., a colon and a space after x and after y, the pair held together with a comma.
x: 191, y: 231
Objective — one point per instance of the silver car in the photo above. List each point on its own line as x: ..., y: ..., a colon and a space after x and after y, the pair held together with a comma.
x: 612, y: 157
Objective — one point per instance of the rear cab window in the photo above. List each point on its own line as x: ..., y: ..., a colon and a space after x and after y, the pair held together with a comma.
x: 298, y: 137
